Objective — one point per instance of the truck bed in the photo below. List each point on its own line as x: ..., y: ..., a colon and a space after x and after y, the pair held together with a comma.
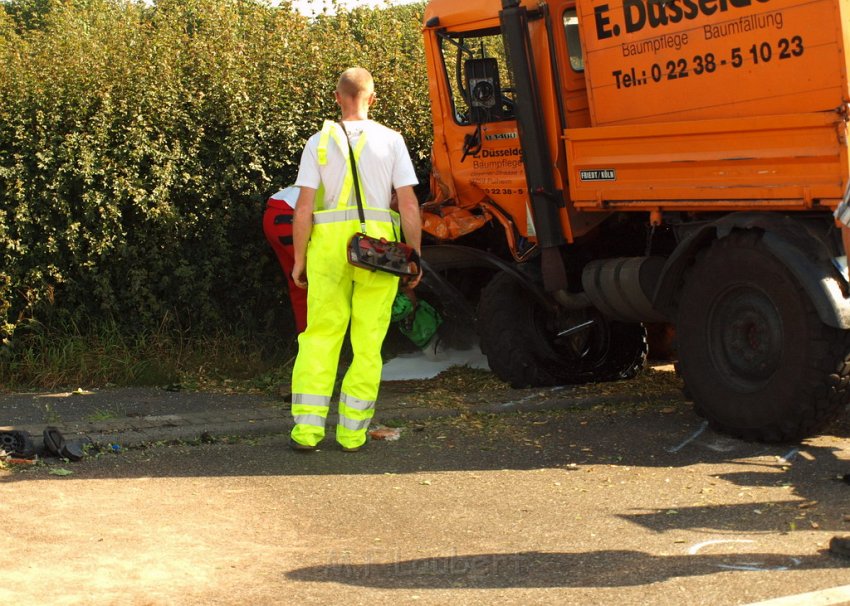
x: 786, y: 162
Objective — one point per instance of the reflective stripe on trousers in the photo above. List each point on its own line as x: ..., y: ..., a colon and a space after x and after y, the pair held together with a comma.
x: 310, y: 411
x: 354, y: 418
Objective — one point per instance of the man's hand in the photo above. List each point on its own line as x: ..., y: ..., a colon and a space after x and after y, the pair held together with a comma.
x: 411, y: 224
x: 299, y: 275
x: 411, y: 283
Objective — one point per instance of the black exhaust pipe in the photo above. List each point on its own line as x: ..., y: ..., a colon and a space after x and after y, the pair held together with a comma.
x: 536, y: 157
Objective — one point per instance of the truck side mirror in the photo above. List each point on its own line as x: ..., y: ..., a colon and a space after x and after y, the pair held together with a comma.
x: 483, y: 90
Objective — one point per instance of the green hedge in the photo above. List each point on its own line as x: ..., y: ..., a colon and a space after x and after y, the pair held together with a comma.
x: 138, y: 145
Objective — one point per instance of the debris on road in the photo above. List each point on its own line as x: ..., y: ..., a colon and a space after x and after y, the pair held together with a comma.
x: 389, y: 434
x: 17, y: 444
x: 840, y: 546
x: 18, y: 448
x: 15, y: 461
x: 56, y: 445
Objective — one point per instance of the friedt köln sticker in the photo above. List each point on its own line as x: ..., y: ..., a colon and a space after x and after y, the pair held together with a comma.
x: 598, y: 174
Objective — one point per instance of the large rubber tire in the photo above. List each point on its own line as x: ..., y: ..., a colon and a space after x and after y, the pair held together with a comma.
x: 757, y: 360
x: 519, y: 337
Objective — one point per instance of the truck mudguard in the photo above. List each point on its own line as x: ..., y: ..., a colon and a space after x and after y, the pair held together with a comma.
x: 804, y: 254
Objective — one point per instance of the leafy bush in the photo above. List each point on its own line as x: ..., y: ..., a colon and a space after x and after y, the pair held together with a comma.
x: 138, y: 144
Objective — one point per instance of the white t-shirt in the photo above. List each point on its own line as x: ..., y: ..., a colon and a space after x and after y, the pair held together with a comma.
x: 288, y: 195
x: 384, y: 164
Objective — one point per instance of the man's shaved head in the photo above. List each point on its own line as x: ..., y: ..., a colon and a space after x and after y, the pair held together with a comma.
x: 354, y: 82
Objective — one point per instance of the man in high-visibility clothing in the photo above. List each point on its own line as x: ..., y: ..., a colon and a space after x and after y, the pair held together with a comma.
x: 325, y: 218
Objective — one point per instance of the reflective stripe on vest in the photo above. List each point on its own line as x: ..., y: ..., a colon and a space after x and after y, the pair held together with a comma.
x: 330, y: 130
x: 351, y: 214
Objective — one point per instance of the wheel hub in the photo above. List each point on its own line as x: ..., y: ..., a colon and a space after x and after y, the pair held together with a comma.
x: 746, y: 337
x: 575, y: 337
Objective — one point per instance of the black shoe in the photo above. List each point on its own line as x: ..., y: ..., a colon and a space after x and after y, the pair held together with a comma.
x: 297, y: 447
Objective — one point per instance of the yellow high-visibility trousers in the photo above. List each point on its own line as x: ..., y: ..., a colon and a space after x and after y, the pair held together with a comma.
x: 340, y: 295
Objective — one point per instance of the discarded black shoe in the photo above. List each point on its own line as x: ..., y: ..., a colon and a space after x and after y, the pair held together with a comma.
x: 298, y: 447
x: 54, y: 441
x: 840, y: 546
x: 55, y: 444
x: 17, y: 443
x: 74, y: 450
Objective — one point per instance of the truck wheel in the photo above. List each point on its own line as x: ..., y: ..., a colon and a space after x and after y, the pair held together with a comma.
x: 519, y: 338
x: 758, y: 362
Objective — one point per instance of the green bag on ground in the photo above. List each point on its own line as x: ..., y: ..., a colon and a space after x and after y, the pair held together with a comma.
x: 417, y: 321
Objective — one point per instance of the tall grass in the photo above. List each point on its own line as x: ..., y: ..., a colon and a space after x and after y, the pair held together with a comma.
x: 64, y: 355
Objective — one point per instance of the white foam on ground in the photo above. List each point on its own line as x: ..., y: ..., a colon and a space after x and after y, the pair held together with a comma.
x: 420, y: 366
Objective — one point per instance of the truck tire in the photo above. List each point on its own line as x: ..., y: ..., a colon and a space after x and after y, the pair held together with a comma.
x: 519, y: 337
x: 757, y: 360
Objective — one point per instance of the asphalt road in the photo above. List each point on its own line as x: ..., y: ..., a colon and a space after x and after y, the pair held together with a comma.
x: 607, y: 505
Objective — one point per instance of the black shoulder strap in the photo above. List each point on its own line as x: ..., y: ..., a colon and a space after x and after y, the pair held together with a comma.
x: 356, y: 180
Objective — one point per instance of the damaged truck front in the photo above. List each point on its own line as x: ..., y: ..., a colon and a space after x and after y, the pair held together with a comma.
x: 603, y: 164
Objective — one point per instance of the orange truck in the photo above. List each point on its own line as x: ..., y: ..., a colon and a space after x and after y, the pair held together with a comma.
x: 604, y: 165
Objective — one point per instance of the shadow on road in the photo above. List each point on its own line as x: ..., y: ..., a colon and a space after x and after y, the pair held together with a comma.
x: 535, y: 570
x: 636, y: 440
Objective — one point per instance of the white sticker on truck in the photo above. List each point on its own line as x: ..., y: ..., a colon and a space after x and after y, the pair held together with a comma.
x: 598, y: 174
